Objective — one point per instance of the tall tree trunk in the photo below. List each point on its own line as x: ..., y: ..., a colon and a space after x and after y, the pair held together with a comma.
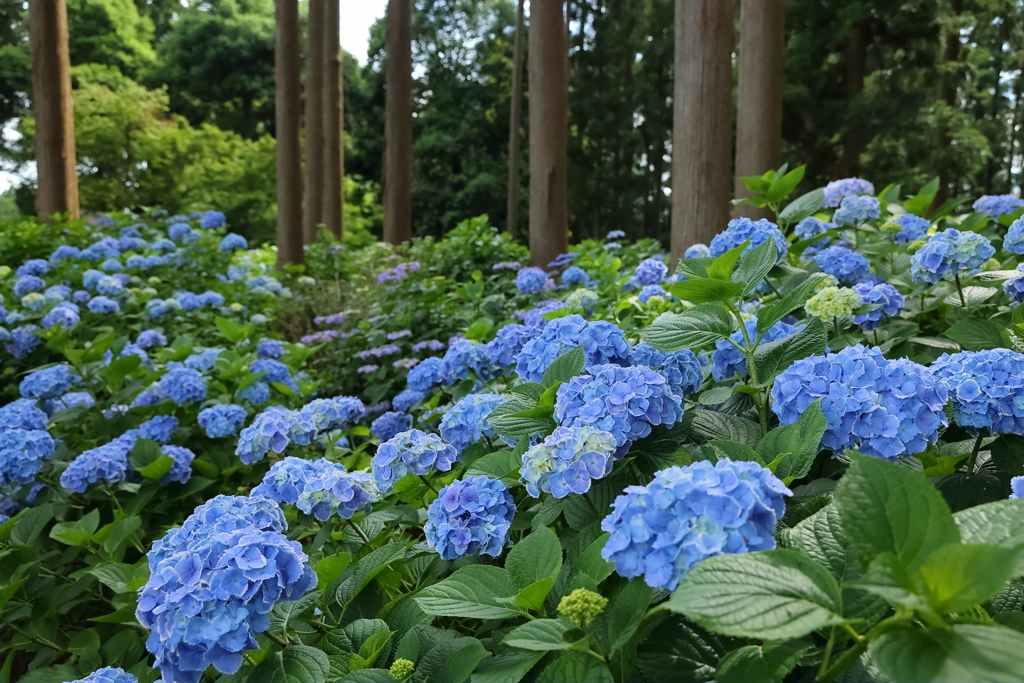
x: 287, y: 108
x: 57, y: 190
x: 549, y: 233
x: 515, y: 114
x: 950, y: 85
x: 856, y: 70
x: 702, y: 122
x: 398, y: 123
x: 313, y: 217
x: 333, y: 179
x: 759, y: 94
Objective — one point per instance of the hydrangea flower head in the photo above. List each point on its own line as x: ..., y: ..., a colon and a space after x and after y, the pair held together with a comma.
x: 108, y: 675
x: 681, y: 368
x: 624, y: 402
x: 49, y: 382
x: 471, y: 516
x: 28, y: 283
x: 407, y: 399
x: 857, y: 209
x: 466, y: 422
x: 688, y: 514
x: 273, y: 371
x: 1014, y: 240
x: 811, y: 227
x: 213, y: 583
x: 531, y: 279
x: 108, y: 463
x: 987, y: 389
x: 847, y: 266
x: 411, y: 452
x: 534, y: 318
x: 949, y: 252
x: 65, y: 316
x: 651, y: 271
x: 574, y: 275
x: 584, y: 298
x: 223, y: 419
x: 181, y: 467
x: 256, y: 393
x: 832, y: 302
x: 429, y: 373
x: 33, y: 266
x: 22, y: 341
x: 103, y: 305
x: 270, y: 348
x: 1016, y: 488
x: 22, y: 452
x: 912, y: 228
x: 742, y: 229
x: 159, y: 428
x: 183, y: 385
x: 602, y: 341
x: 567, y: 461
x: 464, y: 356
x: 1014, y: 286
x: 698, y: 250
x: 650, y: 291
x: 389, y: 424
x: 996, y: 205
x: 890, y: 303
x: 837, y: 190
x: 727, y: 361
x: 149, y: 338
x: 885, y: 408
x: 318, y: 487
x: 333, y: 413
x: 211, y: 220
x: 22, y: 414
x: 65, y: 251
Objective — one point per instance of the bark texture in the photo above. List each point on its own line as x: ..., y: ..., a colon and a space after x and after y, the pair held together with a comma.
x: 702, y: 122
x: 549, y: 97
x: 332, y: 104
x: 287, y: 109
x: 759, y: 94
x: 398, y: 123
x: 57, y: 190
x: 512, y: 212
x: 312, y: 216
x: 856, y: 70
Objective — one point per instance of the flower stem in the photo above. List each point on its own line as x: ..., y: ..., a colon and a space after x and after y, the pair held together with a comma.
x: 359, y: 532
x: 974, y: 454
x: 960, y: 290
x: 428, y: 484
x: 277, y: 639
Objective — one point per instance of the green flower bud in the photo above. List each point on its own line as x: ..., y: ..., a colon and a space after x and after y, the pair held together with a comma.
x: 891, y: 226
x: 833, y: 302
x: 401, y: 669
x: 582, y: 606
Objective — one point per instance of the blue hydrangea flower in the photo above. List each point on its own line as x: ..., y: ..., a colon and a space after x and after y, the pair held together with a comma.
x: 912, y: 228
x: 65, y: 251
x: 857, y: 209
x: 1014, y: 287
x: 505, y: 348
x: 33, y: 266
x: 681, y: 368
x: 256, y: 393
x: 22, y: 452
x: 269, y: 431
x: 948, y: 253
x: 727, y: 361
x: 529, y: 280
x: 177, y: 231
x: 430, y: 372
x: 81, y: 296
x: 464, y: 356
x: 986, y: 387
x: 652, y: 290
x: 389, y: 424
x: 181, y: 468
x: 1014, y: 240
x: 213, y: 299
x: 651, y: 271
x: 624, y: 402
x: 211, y: 220
x: 275, y: 371
x: 232, y: 242
x: 108, y: 675
x: 28, y: 283
x: 688, y: 514
x: 698, y: 250
x: 411, y: 452
x: 1016, y: 488
x: 183, y: 385
x: 111, y: 265
x: 159, y: 428
x: 846, y: 266
x: 71, y: 399
x: 105, y: 248
x: 270, y: 348
x: 213, y: 583
x: 471, y: 516
x: 885, y: 408
x: 23, y: 341
x: 563, y: 259
x: 567, y: 461
x: 534, y: 318
x: 150, y: 338
x: 466, y: 423
x: 603, y: 342
x: 998, y: 204
x: 836, y: 190
x: 407, y: 399
x: 203, y: 361
x: 22, y: 414
x: 742, y: 229
x: 104, y: 305
x: 60, y: 315
x: 223, y: 419
x: 811, y: 227
x: 49, y: 382
x: 318, y: 488
x: 108, y: 463
x: 889, y: 300
x: 333, y: 413
x: 574, y: 275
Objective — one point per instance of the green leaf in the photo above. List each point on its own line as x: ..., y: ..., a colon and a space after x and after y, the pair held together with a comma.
x: 772, y: 595
x: 329, y: 570
x: 967, y: 653
x: 544, y: 634
x: 530, y: 390
x: 576, y: 667
x: 803, y: 206
x: 919, y: 203
x: 709, y: 424
x: 565, y: 367
x: 801, y: 440
x: 696, y: 328
x: 30, y: 523
x: 7, y: 592
x: 754, y: 265
x: 679, y: 650
x: 737, y: 451
x: 885, y: 507
x: 781, y: 188
x: 120, y: 531
x: 76, y: 533
x: 158, y: 468
x: 761, y: 663
x: 821, y: 537
x: 952, y: 578
x: 977, y: 334
x: 706, y: 291
x: 231, y: 330
x: 446, y: 656
x: 1008, y: 451
x: 973, y: 296
x: 367, y: 676
x: 694, y: 268
x: 796, y: 298
x: 625, y: 611
x: 721, y: 268
x: 1017, y: 322
x: 497, y: 465
x: 502, y: 421
x: 145, y: 452
x: 477, y: 592
x: 294, y: 664
x: 774, y: 357
x: 506, y: 668
x: 1000, y: 523
x: 366, y: 569
x: 715, y: 396
x: 532, y: 564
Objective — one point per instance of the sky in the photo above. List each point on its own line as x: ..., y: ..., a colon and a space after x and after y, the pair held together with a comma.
x: 356, y: 18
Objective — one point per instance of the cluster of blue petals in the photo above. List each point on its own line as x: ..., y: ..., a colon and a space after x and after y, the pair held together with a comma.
x: 912, y: 228
x: 411, y: 452
x: 530, y: 280
x: 567, y: 461
x: 948, y: 253
x: 223, y: 419
x: 987, y: 389
x: 837, y: 190
x: 996, y: 205
x: 681, y: 368
x: 845, y: 265
x: 49, y: 382
x: 887, y: 298
x: 742, y: 229
x: 318, y: 487
x: 728, y: 361
x: 602, y: 341
x: 857, y: 209
x: 466, y: 422
x: 471, y: 516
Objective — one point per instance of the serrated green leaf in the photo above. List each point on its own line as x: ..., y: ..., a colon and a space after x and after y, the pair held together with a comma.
x: 565, y: 367
x: 624, y: 612
x: 772, y: 358
x: 534, y: 560
x: 30, y: 523
x: 952, y: 578
x: 977, y: 334
x: 754, y: 265
x: 476, y: 591
x: 694, y: 329
x: 803, y: 206
x: 796, y: 298
x: 721, y: 268
x: 801, y: 440
x: 966, y: 653
x: 709, y: 424
x: 1000, y: 523
x: 822, y: 538
x: 366, y: 569
x: 76, y: 533
x: 544, y: 634
x: 294, y: 664
x: 576, y: 667
x: 762, y: 663
x: 706, y: 291
x: 679, y: 650
x: 506, y: 668
x: 782, y: 186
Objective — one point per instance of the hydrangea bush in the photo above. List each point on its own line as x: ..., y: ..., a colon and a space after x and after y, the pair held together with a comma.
x: 801, y: 444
